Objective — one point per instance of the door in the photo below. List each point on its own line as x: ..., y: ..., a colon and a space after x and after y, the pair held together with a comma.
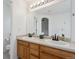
x: 45, y: 26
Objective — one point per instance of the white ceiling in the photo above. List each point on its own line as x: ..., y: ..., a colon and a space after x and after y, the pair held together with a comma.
x: 30, y: 1
x: 61, y: 7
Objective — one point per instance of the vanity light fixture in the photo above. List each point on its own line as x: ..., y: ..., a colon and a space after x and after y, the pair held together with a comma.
x: 39, y: 3
x: 43, y: 3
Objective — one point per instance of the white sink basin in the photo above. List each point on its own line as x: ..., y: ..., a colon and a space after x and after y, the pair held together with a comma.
x: 56, y: 42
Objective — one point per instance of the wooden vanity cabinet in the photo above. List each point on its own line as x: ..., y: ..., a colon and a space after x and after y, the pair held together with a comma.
x: 30, y: 50
x: 22, y: 49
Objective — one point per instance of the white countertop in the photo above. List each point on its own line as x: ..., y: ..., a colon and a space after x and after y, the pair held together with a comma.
x: 68, y: 47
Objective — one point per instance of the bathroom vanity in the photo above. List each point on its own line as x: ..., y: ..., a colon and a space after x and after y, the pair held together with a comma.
x: 32, y: 48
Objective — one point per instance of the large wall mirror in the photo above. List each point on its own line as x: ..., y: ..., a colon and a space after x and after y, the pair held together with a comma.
x: 55, y: 19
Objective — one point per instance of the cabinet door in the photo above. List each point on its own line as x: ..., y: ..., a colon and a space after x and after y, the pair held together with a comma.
x: 48, y: 56
x: 33, y: 57
x: 23, y: 52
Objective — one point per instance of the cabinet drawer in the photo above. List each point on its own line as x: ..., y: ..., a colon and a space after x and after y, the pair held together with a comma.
x: 33, y: 57
x: 56, y: 52
x: 22, y: 42
x: 48, y: 56
x: 34, y: 52
x: 34, y: 46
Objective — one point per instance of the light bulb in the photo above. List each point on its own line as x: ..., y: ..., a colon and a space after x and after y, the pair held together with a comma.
x: 34, y: 4
x: 38, y: 2
x: 42, y: 0
x: 31, y: 6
